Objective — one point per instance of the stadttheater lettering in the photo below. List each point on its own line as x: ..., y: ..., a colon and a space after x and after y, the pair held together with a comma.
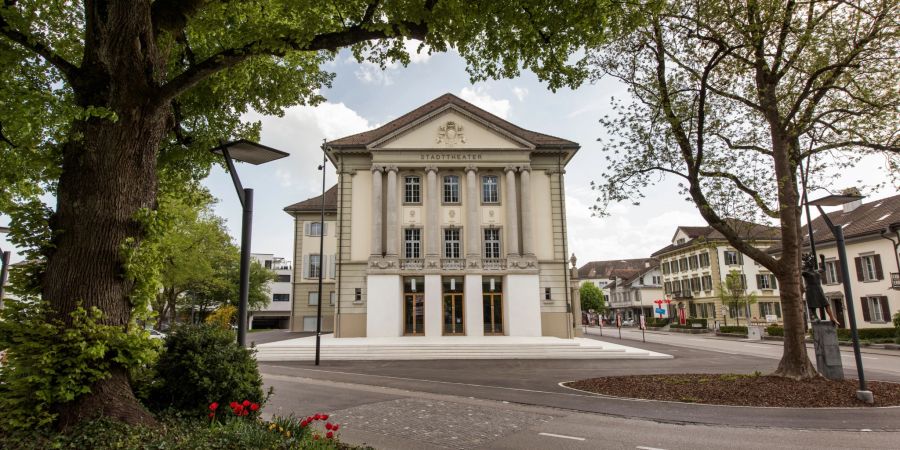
x: 451, y: 156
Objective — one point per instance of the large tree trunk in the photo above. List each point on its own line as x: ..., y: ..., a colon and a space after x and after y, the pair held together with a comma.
x: 108, y: 175
x: 795, y: 361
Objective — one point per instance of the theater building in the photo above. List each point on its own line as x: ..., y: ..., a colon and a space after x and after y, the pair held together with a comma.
x: 450, y: 221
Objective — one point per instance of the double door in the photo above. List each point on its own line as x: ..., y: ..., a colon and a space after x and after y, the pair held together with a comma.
x: 492, y: 303
x: 454, y: 322
x: 414, y: 314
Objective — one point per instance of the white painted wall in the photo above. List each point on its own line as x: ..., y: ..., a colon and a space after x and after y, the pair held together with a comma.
x: 361, y: 216
x: 541, y: 219
x: 474, y: 307
x: 522, y: 305
x: 433, y: 305
x: 384, y: 311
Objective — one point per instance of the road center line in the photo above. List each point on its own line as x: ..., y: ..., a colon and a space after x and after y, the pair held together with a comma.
x: 562, y: 436
x: 649, y: 448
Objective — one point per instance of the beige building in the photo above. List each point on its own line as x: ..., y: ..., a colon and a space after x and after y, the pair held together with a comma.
x: 632, y: 293
x: 450, y: 221
x: 309, y: 262
x: 695, y: 265
x: 872, y: 235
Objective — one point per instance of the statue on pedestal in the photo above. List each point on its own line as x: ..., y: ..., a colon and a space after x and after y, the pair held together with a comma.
x: 815, y: 296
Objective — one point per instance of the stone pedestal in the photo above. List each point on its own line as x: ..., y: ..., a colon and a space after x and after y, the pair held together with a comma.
x: 828, y: 353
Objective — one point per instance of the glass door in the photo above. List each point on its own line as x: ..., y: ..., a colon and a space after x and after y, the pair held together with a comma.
x: 414, y: 314
x: 493, y: 313
x: 453, y: 314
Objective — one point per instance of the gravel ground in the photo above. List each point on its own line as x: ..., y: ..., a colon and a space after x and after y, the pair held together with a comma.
x: 743, y: 390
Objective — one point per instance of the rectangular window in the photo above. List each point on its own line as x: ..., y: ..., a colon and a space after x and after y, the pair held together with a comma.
x: 451, y: 243
x: 451, y: 189
x: 832, y: 272
x: 693, y: 262
x: 686, y: 286
x: 331, y: 298
x: 763, y: 281
x: 683, y: 264
x: 877, y: 305
x: 490, y: 189
x: 868, y: 265
x: 656, y: 279
x: 282, y: 278
x: 695, y: 284
x: 281, y: 297
x: 268, y: 264
x: 314, y: 267
x: 412, y: 243
x: 769, y: 309
x: 665, y: 268
x: 412, y: 189
x: 706, y: 282
x: 704, y: 260
x: 357, y: 295
x: 547, y: 294
x: 731, y: 258
x: 314, y: 229
x: 313, y: 298
x: 491, y: 243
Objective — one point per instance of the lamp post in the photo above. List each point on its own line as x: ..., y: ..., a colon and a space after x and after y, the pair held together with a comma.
x: 4, y: 266
x: 321, y: 258
x: 256, y: 154
x: 837, y: 231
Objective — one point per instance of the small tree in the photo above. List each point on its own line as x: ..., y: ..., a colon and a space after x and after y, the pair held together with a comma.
x: 223, y: 317
x: 592, y: 298
x: 733, y: 294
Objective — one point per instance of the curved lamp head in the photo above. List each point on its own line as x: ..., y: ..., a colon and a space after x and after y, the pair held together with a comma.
x: 250, y: 152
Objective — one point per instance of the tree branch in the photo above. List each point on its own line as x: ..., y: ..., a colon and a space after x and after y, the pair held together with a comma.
x: 68, y: 70
x: 173, y: 15
x: 760, y: 202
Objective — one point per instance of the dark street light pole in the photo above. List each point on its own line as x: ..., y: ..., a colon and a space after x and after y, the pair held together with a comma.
x: 253, y: 153
x: 321, y: 259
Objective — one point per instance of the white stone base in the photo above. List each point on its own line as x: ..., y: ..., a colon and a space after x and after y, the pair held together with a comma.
x: 448, y: 347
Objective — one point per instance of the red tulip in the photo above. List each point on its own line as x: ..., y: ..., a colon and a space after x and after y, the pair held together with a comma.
x: 211, y: 415
x: 324, y: 416
x: 317, y: 416
x: 213, y: 406
x: 335, y: 427
x: 245, y: 412
x: 254, y: 406
x: 304, y: 423
x: 329, y: 435
x: 328, y: 426
x: 233, y: 405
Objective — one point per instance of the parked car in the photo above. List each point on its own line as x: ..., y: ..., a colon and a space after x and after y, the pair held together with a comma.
x: 628, y: 323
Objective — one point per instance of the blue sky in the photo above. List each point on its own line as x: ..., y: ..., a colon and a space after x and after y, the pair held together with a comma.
x: 364, y: 96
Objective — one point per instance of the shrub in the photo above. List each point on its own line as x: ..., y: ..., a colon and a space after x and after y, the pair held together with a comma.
x: 202, y: 364
x: 867, y: 333
x: 733, y: 329
x: 774, y: 330
x: 223, y: 317
x: 657, y: 322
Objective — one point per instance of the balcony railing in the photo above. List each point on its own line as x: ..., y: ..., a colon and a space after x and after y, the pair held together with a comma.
x: 682, y: 295
x: 412, y: 264
x: 453, y: 264
x: 493, y: 264
x: 895, y: 280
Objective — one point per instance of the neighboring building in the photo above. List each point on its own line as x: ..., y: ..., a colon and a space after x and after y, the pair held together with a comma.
x: 872, y: 234
x: 634, y: 294
x: 603, y: 273
x: 451, y: 221
x: 308, y: 230
x: 695, y: 265
x: 277, y: 314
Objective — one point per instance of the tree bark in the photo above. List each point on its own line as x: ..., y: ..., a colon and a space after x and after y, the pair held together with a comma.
x: 108, y: 175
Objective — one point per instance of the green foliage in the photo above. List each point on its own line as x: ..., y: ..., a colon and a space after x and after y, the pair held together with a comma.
x: 689, y: 323
x: 223, y: 317
x: 897, y: 322
x: 176, y: 433
x: 49, y: 363
x: 733, y: 294
x: 733, y: 330
x: 867, y: 333
x: 592, y: 298
x: 201, y: 364
x: 774, y: 330
x: 656, y: 322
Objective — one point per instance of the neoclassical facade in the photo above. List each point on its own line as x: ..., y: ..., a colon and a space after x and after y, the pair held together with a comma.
x: 451, y: 222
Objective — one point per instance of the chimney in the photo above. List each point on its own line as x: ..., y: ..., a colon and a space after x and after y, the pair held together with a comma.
x: 849, y: 207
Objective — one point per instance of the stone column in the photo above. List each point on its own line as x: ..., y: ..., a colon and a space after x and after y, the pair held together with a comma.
x: 433, y: 229
x: 393, y: 213
x: 377, y: 212
x: 512, y: 213
x: 527, y: 236
x: 473, y: 210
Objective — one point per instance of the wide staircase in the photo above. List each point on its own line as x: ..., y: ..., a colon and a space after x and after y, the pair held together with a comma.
x: 422, y: 348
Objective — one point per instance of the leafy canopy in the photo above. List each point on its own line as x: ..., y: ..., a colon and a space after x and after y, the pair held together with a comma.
x: 592, y: 298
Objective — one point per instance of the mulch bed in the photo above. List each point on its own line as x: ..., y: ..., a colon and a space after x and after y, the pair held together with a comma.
x: 742, y: 390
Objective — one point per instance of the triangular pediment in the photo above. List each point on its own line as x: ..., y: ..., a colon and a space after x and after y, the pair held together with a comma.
x: 448, y: 128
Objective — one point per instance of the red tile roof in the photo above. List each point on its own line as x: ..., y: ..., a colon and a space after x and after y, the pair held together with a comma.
x: 619, y: 268
x: 744, y: 229
x: 368, y: 137
x: 314, y: 204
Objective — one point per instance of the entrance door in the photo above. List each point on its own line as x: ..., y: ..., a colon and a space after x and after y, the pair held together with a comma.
x: 837, y: 308
x: 414, y: 314
x: 453, y: 314
x: 493, y: 313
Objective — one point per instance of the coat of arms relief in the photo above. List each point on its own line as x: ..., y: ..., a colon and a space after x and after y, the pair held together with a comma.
x: 450, y: 134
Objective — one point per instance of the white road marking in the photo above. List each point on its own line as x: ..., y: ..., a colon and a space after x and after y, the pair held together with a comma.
x: 649, y: 448
x: 562, y: 436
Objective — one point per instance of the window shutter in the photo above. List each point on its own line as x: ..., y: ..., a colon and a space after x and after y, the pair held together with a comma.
x: 774, y: 282
x: 333, y: 267
x: 879, y: 274
x: 740, y: 258
x: 324, y: 228
x: 306, y: 266
x: 838, y: 271
x: 778, y: 309
x: 865, y: 307
x: 306, y: 228
x: 859, y: 275
x: 885, y: 309
x: 759, y: 281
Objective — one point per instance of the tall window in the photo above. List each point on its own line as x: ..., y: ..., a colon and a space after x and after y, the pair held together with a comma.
x: 766, y: 281
x: 490, y: 189
x: 704, y: 260
x: 832, y: 273
x: 451, y: 243
x: 313, y: 298
x: 451, y: 189
x: 412, y: 192
x: 692, y: 260
x: 491, y: 243
x: 732, y: 258
x: 706, y: 281
x: 412, y: 243
x: 683, y: 264
x: 314, y: 267
x: 770, y: 309
x: 314, y: 229
x: 869, y: 268
x: 656, y: 279
x: 876, y: 309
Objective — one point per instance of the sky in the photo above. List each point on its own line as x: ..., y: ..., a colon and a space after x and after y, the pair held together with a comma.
x: 363, y: 97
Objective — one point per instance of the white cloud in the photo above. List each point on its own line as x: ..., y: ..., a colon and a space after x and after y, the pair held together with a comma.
x: 415, y: 56
x: 479, y: 97
x: 520, y: 93
x: 371, y: 73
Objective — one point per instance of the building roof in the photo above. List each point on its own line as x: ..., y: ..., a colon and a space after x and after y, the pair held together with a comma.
x: 746, y: 230
x: 866, y: 219
x: 616, y: 268
x: 368, y: 137
x: 314, y: 204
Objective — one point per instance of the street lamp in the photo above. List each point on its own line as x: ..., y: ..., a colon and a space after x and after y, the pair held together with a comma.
x: 4, y: 266
x: 253, y: 153
x: 321, y: 259
x: 863, y: 392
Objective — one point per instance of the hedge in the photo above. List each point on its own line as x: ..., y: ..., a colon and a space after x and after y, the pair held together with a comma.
x: 657, y: 322
x: 844, y: 333
x: 689, y: 324
x: 774, y: 330
x: 733, y: 330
